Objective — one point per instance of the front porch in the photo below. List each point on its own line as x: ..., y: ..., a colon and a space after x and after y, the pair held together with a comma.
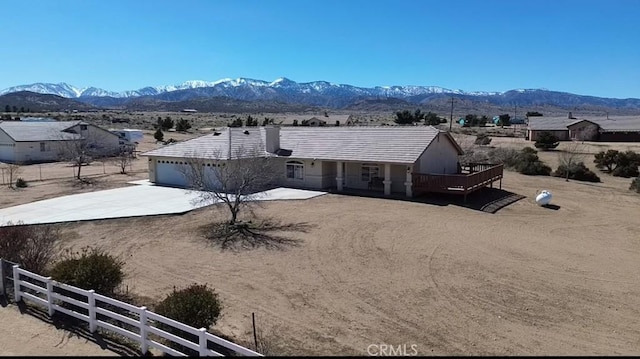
x: 471, y: 178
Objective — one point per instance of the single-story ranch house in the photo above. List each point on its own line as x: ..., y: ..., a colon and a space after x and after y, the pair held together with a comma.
x: 615, y: 129
x: 33, y: 142
x: 386, y: 159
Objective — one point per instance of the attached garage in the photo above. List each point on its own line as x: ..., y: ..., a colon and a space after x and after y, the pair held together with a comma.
x: 171, y: 173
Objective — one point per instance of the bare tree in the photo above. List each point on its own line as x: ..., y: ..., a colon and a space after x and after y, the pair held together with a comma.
x: 123, y: 159
x: 82, y: 151
x: 236, y: 181
x: 572, y: 154
x: 13, y: 170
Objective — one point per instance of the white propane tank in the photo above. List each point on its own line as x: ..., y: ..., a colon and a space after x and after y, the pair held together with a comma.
x: 544, y: 198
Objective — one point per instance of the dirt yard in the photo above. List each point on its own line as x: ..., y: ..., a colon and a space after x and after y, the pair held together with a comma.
x: 26, y: 335
x: 526, y: 280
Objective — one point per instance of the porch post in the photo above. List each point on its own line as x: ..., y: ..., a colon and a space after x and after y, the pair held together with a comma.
x: 408, y: 184
x: 387, y: 179
x: 339, y: 175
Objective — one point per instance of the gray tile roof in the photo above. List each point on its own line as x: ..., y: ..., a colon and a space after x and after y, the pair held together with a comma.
x: 21, y: 131
x: 618, y: 124
x: 363, y: 144
x: 613, y: 124
x: 550, y: 123
x: 223, y: 144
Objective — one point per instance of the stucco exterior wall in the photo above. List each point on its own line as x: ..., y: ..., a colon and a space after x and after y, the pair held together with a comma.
x: 440, y: 157
x: 316, y: 174
x: 7, y: 148
x: 104, y: 140
x: 584, y: 131
x: 30, y: 152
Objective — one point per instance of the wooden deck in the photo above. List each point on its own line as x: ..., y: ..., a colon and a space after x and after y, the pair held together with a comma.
x: 473, y: 177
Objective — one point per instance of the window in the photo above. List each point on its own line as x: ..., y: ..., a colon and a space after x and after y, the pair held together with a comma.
x: 369, y: 171
x: 43, y: 147
x: 83, y: 127
x: 295, y: 170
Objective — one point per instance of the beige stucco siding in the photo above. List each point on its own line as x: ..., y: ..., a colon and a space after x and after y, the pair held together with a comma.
x: 398, y: 177
x: 27, y: 152
x: 329, y: 173
x: 583, y: 131
x: 314, y: 175
x: 103, y: 139
x: 7, y: 148
x: 439, y: 158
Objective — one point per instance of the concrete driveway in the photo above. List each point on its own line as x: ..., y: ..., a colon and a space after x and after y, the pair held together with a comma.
x: 133, y: 201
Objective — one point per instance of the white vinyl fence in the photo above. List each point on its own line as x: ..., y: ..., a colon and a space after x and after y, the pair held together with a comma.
x: 100, y: 309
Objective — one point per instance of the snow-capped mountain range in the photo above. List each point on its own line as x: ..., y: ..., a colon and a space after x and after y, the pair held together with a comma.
x: 70, y: 91
x: 318, y: 93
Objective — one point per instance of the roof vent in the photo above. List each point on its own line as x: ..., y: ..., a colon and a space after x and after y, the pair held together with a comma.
x: 246, y: 132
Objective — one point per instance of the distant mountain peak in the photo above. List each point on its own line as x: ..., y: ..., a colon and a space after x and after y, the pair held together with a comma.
x: 316, y: 93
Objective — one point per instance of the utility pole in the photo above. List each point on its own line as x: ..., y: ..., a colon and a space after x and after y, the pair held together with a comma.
x: 515, y: 113
x: 451, y: 117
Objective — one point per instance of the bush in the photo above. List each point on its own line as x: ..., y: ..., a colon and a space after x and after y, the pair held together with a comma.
x: 607, y: 160
x: 183, y: 125
x: 528, y: 163
x: 507, y: 156
x: 483, y: 139
x: 546, y: 140
x: 578, y: 172
x: 196, y: 305
x: 91, y: 268
x: 635, y: 185
x: 21, y: 183
x: 158, y: 135
x: 620, y: 164
x: 626, y: 171
x: 33, y: 247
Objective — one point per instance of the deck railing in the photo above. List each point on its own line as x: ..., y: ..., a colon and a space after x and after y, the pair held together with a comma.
x: 478, y: 175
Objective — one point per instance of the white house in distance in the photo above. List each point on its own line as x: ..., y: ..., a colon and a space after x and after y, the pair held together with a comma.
x: 380, y: 159
x: 42, y: 141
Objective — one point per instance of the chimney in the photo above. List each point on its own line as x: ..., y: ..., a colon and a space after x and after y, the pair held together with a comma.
x: 272, y: 138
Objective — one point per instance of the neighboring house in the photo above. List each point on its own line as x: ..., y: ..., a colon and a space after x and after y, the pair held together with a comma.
x: 314, y: 122
x: 618, y: 129
x: 33, y: 141
x: 370, y: 158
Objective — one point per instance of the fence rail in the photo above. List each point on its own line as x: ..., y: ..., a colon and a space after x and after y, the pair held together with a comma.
x: 477, y: 176
x: 145, y: 322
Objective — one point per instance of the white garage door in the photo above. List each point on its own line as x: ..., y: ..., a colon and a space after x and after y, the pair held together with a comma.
x: 170, y: 173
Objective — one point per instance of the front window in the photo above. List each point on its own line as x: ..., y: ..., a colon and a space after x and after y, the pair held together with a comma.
x: 369, y: 171
x: 295, y: 170
x: 43, y: 147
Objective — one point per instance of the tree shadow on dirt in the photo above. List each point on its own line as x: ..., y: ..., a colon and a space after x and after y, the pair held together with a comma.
x: 268, y: 234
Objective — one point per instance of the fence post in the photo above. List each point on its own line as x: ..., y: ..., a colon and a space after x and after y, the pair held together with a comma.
x: 143, y: 330
x: 93, y: 325
x: 50, y: 296
x: 203, y: 342
x: 16, y: 284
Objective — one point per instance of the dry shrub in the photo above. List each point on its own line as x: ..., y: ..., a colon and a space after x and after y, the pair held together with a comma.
x: 32, y: 246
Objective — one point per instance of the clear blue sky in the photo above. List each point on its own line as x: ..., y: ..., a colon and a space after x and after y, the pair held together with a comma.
x: 580, y: 46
